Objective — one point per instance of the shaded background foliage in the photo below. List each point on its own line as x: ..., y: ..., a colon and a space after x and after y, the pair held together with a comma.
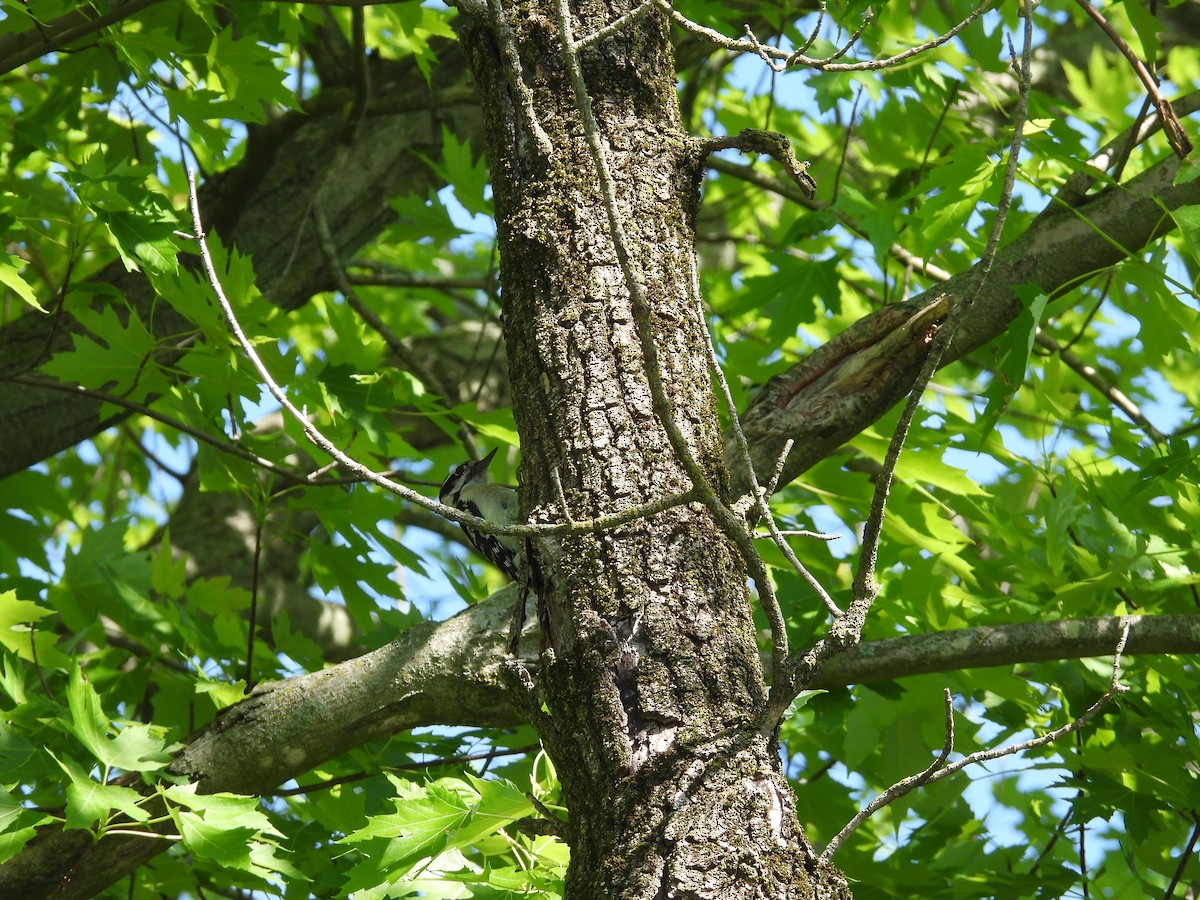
x: 139, y: 516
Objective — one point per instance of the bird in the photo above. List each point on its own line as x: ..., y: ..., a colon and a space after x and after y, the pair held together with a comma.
x: 469, y: 489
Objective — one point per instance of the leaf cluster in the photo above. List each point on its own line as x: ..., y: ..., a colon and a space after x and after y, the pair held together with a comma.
x: 130, y: 562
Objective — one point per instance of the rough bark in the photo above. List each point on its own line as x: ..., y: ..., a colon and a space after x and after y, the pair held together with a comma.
x: 650, y: 674
x: 598, y: 621
x: 454, y: 672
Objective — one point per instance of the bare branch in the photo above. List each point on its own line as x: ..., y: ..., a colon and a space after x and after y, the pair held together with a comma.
x: 939, y: 770
x: 816, y: 29
x: 399, y: 348
x: 868, y: 18
x: 775, y: 145
x: 826, y: 64
x: 900, y: 788
x: 988, y: 646
x: 774, y: 482
x: 762, y: 511
x: 1176, y: 136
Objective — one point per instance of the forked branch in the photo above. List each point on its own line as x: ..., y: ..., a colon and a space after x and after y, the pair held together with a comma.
x: 940, y: 769
x: 824, y: 64
x: 1176, y: 136
x: 846, y: 630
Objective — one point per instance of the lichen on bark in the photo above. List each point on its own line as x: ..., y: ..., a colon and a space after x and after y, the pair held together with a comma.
x: 651, y: 673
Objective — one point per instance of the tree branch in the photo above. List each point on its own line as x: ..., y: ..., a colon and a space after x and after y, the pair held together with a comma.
x: 845, y: 385
x: 25, y: 46
x: 1006, y: 645
x: 452, y: 673
x: 939, y: 769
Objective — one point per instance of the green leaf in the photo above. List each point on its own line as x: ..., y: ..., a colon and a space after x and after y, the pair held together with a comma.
x: 141, y: 242
x: 1187, y: 219
x: 953, y: 190
x: 417, y: 218
x: 18, y: 825
x: 133, y: 748
x: 10, y: 276
x: 89, y: 802
x: 229, y: 830
x: 442, y: 817
x: 115, y: 358
x: 411, y: 26
x: 787, y: 295
x: 18, y: 619
x: 800, y: 701
x: 168, y: 574
x: 468, y: 176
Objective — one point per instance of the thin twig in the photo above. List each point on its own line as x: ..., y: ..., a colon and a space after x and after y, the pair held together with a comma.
x: 1083, y: 875
x: 318, y: 439
x: 770, y: 602
x: 336, y: 270
x: 1176, y: 136
x: 841, y: 166
x: 1112, y: 152
x: 561, y: 496
x: 812, y: 37
x: 516, y: 81
x: 1059, y: 830
x: 776, y: 68
x: 800, y: 532
x: 1177, y: 876
x: 255, y: 569
x: 824, y: 65
x: 779, y: 463
x: 614, y: 26
x: 1113, y: 394
x: 868, y: 18
x: 386, y: 277
x: 938, y: 772
x: 902, y: 787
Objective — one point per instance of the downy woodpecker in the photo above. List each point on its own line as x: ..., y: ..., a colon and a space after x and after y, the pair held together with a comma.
x: 468, y: 489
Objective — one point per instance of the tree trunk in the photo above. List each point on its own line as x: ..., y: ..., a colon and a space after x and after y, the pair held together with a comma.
x: 650, y: 675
